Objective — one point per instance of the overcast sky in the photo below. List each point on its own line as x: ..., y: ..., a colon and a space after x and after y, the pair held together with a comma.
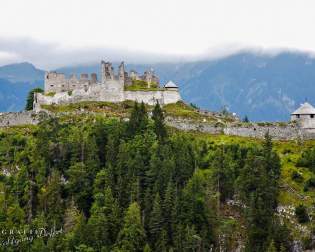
x: 52, y: 33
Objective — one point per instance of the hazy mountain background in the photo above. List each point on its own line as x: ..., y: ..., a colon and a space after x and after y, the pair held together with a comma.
x: 260, y: 86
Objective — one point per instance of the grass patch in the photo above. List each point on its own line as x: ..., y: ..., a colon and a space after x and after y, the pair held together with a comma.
x: 121, y: 109
x: 50, y: 94
x: 141, y: 85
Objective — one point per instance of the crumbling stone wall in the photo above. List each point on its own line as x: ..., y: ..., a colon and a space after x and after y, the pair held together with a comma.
x: 278, y: 132
x: 57, y: 82
x: 21, y: 118
x: 111, y: 91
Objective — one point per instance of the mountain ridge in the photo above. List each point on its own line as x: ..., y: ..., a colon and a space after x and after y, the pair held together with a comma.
x: 263, y: 87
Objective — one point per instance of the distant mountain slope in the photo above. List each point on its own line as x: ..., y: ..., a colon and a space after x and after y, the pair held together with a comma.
x: 15, y: 82
x: 13, y: 95
x: 259, y: 86
x: 21, y: 72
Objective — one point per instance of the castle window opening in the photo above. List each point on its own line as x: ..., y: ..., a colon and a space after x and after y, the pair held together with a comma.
x: 312, y: 116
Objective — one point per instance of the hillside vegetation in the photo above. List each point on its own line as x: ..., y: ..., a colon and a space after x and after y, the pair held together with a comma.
x: 113, y: 185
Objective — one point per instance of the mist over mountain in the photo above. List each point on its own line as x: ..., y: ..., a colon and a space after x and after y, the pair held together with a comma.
x: 265, y: 88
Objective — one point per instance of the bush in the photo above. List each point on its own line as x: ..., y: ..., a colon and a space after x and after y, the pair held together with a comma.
x: 296, y: 176
x: 286, y: 151
x: 301, y: 214
x: 310, y: 183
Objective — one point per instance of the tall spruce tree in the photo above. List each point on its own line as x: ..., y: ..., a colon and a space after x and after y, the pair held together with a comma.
x: 138, y: 120
x: 156, y: 221
x: 158, y: 118
x: 132, y: 236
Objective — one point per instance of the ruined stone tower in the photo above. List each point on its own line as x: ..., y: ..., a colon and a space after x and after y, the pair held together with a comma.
x: 107, y: 71
x: 121, y: 72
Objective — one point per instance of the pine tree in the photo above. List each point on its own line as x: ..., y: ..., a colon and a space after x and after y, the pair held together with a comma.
x: 30, y: 98
x: 156, y: 221
x: 147, y: 248
x: 158, y: 118
x: 51, y: 199
x: 138, y: 120
x: 168, y: 206
x: 271, y: 247
x: 132, y: 236
x: 80, y: 186
x: 246, y: 120
x: 97, y: 226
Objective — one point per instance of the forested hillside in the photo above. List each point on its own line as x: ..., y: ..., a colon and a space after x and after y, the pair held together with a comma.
x: 106, y: 184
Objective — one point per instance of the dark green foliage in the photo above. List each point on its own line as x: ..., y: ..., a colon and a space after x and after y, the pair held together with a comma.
x: 307, y: 159
x: 258, y: 187
x: 296, y: 176
x: 245, y: 119
x: 85, y: 175
x: 132, y: 236
x: 301, y: 214
x: 309, y: 184
x: 138, y: 120
x: 158, y: 118
x: 193, y: 105
x: 30, y: 98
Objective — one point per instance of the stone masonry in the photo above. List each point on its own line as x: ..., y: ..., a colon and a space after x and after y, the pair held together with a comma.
x: 111, y: 88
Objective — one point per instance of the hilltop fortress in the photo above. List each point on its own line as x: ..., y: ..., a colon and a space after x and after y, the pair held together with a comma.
x: 123, y: 86
x: 111, y: 88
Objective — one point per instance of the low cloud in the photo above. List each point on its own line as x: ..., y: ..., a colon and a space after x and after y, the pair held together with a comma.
x: 49, y: 56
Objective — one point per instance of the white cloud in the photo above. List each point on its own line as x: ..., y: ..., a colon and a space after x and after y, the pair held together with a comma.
x: 154, y: 27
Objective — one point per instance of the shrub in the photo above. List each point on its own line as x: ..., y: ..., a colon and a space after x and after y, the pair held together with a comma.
x: 301, y: 214
x: 296, y: 176
x: 286, y: 151
x: 310, y: 183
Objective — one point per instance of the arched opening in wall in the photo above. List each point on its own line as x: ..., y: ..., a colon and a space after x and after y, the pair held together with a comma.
x: 312, y: 116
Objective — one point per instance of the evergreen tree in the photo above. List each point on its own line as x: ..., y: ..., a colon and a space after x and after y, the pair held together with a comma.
x: 51, y: 199
x: 245, y: 119
x: 138, y: 120
x: 132, y: 236
x: 30, y: 98
x: 271, y: 247
x: 104, y: 223
x: 158, y: 118
x: 156, y: 221
x: 168, y: 208
x: 224, y: 173
x: 80, y: 186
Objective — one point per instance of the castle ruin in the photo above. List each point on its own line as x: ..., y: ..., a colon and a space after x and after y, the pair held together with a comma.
x: 111, y: 87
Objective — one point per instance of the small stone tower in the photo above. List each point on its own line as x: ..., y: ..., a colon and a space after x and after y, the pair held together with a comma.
x: 304, y: 116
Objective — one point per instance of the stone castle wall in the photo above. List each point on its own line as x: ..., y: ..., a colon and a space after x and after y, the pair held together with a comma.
x: 57, y: 82
x: 111, y: 91
x: 286, y: 132
x: 277, y: 132
x: 21, y: 118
